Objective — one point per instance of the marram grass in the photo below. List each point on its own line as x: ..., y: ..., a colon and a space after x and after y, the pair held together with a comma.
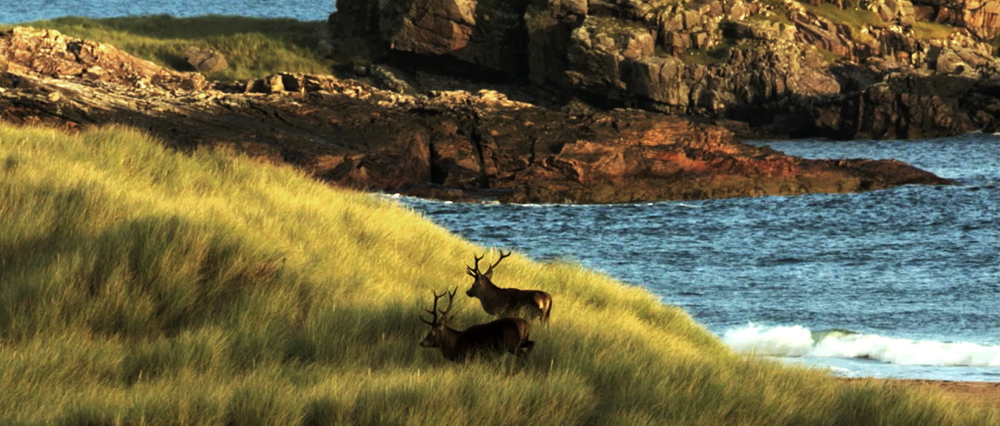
x: 144, y: 286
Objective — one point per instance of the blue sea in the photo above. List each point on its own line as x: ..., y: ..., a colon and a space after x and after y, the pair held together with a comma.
x: 900, y: 283
x: 20, y: 11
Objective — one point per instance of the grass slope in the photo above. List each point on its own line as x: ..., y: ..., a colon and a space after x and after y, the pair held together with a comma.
x: 253, y: 47
x: 143, y: 286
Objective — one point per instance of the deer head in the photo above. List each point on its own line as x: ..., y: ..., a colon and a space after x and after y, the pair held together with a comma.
x: 437, y: 323
x: 482, y: 279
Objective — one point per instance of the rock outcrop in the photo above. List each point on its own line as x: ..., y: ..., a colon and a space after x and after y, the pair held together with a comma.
x: 776, y: 65
x: 450, y: 144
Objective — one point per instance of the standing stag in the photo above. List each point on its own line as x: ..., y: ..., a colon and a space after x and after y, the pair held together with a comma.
x: 507, y: 301
x: 506, y: 334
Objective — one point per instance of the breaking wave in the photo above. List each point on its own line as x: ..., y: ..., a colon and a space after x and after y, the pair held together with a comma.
x: 798, y: 341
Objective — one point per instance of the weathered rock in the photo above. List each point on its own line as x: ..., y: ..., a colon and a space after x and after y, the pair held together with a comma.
x: 909, y: 106
x: 47, y: 52
x: 895, y: 11
x: 483, y: 32
x: 205, y: 60
x: 982, y: 18
x: 765, y: 63
x: 449, y: 144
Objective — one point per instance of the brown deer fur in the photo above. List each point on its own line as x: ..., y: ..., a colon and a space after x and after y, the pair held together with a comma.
x: 507, y: 301
x: 506, y: 334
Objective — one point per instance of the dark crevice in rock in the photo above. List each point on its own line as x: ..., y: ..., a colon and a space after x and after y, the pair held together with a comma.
x: 476, y: 139
x: 454, y: 68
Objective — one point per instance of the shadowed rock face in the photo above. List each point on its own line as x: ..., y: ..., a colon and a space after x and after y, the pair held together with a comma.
x: 768, y: 64
x: 451, y: 144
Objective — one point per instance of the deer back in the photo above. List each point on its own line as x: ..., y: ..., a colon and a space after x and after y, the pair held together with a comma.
x: 530, y: 303
x: 502, y: 335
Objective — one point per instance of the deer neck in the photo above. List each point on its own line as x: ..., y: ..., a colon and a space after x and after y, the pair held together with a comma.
x: 489, y: 287
x: 490, y: 292
x: 449, y: 342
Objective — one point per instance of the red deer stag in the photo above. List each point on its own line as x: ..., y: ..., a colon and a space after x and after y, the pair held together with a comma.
x: 507, y: 334
x: 507, y: 301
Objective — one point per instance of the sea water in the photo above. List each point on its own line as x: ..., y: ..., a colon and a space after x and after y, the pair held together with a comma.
x: 20, y: 11
x: 900, y: 283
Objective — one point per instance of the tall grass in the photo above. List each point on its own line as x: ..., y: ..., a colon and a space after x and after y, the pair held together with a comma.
x: 253, y: 47
x: 143, y: 286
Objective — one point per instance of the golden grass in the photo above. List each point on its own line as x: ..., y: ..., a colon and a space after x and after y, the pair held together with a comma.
x: 144, y: 286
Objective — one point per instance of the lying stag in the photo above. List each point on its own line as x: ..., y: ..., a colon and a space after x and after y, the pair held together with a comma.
x: 507, y: 301
x: 507, y: 334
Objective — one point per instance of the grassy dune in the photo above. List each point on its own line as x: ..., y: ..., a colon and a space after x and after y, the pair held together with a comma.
x: 253, y: 47
x: 142, y: 286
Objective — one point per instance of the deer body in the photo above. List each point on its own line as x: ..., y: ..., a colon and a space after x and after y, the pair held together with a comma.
x: 496, y: 337
x: 502, y: 335
x: 507, y: 301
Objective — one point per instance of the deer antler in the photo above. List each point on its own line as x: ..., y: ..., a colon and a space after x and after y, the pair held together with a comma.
x: 435, y: 320
x: 434, y: 310
x: 475, y: 272
x: 451, y: 298
x: 502, y: 257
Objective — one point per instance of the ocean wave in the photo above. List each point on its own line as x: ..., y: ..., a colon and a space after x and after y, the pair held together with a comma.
x: 799, y: 341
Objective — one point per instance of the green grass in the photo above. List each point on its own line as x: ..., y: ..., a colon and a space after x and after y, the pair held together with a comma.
x: 253, y: 47
x: 828, y: 57
x: 854, y: 17
x: 932, y: 30
x: 143, y: 286
x: 715, y: 54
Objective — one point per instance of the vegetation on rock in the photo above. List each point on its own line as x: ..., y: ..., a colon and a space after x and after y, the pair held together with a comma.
x: 253, y: 47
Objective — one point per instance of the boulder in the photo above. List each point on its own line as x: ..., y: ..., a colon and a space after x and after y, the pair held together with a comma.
x: 488, y: 33
x: 900, y: 12
x: 982, y: 18
x: 205, y: 60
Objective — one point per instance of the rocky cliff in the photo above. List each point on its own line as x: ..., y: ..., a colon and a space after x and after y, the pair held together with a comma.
x: 450, y: 144
x: 845, y: 68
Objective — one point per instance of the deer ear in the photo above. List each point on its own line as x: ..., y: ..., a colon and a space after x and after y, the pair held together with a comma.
x: 489, y: 274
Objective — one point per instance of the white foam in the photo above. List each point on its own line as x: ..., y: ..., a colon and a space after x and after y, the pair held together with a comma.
x: 777, y: 341
x: 797, y: 341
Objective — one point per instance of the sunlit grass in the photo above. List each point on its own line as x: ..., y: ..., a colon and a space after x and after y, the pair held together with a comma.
x: 854, y: 17
x: 932, y: 30
x: 144, y: 286
x: 253, y: 47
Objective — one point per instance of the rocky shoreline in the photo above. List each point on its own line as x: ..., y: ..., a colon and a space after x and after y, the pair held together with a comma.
x: 844, y: 69
x: 450, y: 144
